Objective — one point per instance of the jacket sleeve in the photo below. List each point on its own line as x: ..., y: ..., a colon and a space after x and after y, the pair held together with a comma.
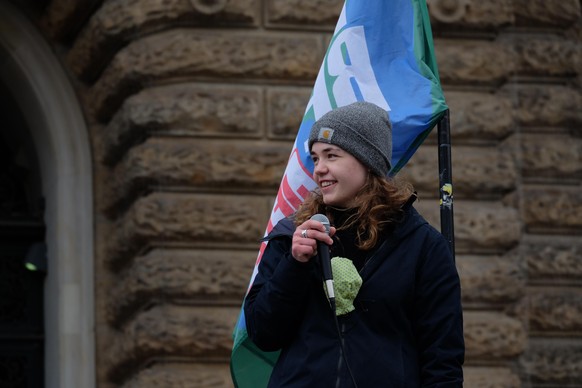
x: 439, y: 316
x: 274, y: 306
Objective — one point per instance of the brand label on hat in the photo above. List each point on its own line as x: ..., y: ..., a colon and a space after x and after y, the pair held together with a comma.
x: 325, y: 134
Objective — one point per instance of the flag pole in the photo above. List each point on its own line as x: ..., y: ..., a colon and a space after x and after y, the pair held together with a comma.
x: 446, y: 180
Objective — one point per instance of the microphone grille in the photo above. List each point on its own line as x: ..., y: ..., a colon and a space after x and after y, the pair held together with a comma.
x: 323, y: 219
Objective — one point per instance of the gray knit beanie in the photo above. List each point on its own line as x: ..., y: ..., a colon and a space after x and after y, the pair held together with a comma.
x: 362, y: 129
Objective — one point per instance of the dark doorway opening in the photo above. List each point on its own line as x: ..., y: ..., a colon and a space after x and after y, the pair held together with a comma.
x: 21, y: 227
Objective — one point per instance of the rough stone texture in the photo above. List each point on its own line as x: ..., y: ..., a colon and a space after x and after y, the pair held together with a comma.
x: 479, y: 226
x: 205, y: 110
x: 574, y: 33
x: 194, y: 276
x: 551, y: 157
x: 555, y: 310
x: 464, y: 61
x: 536, y: 12
x: 554, y: 258
x: 315, y: 13
x: 174, y: 375
x: 550, y: 106
x: 63, y: 18
x: 470, y: 14
x: 469, y: 61
x: 187, y: 110
x: 117, y: 22
x: 193, y: 163
x: 203, y: 54
x: 553, y: 209
x: 548, y: 56
x: 165, y: 218
x: 286, y: 107
x: 172, y: 330
x: 492, y: 279
x: 493, y: 336
x: 480, y: 117
x: 490, y: 377
x: 454, y: 15
x: 555, y: 362
x: 473, y: 171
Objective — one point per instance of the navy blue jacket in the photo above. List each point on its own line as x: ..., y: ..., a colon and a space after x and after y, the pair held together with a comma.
x: 406, y: 331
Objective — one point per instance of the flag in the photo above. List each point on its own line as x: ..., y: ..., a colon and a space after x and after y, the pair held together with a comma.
x: 381, y: 52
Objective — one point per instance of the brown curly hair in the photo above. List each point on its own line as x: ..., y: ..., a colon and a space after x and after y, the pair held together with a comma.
x: 378, y: 204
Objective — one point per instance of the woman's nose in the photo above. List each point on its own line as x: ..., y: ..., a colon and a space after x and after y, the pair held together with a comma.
x: 319, y: 168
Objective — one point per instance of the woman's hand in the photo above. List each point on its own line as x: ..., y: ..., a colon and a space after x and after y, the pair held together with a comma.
x: 305, y: 239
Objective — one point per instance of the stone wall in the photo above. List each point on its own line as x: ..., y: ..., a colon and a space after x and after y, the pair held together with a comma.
x: 193, y: 106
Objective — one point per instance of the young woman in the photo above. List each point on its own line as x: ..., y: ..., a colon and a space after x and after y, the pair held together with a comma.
x: 400, y: 320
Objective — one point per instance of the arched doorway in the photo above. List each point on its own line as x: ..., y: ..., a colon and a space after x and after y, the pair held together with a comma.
x: 38, y: 86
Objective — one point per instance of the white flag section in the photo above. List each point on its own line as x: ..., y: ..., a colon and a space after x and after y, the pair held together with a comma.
x: 381, y: 52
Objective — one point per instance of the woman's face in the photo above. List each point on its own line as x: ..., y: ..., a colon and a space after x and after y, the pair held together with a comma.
x: 339, y: 175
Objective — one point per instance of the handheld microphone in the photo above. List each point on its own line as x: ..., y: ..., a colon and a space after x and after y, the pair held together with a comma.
x: 323, y: 251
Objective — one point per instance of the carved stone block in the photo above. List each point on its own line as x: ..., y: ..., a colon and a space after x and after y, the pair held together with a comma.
x: 490, y: 377
x: 185, y: 109
x: 553, y: 209
x: 465, y: 61
x: 166, y: 218
x: 181, y: 375
x: 478, y: 172
x: 493, y: 336
x: 116, y: 23
x: 479, y: 226
x: 553, y: 258
x: 318, y: 13
x: 492, y: 279
x: 188, y: 275
x: 470, y: 14
x: 480, y: 117
x: 545, y: 56
x: 541, y: 106
x: 188, y: 53
x: 557, y: 362
x: 285, y: 110
x: 459, y: 15
x: 551, y: 157
x: 560, y: 13
x: 555, y: 310
x: 190, y: 163
x: 171, y: 330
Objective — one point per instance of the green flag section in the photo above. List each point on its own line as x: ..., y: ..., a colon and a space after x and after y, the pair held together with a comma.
x: 252, y: 367
x: 382, y: 52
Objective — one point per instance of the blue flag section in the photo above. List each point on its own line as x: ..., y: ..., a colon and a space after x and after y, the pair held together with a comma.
x: 382, y: 52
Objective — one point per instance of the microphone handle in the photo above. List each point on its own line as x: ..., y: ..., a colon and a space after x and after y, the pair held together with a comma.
x: 323, y: 250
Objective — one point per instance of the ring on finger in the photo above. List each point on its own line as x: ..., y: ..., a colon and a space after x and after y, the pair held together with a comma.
x: 304, y: 233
